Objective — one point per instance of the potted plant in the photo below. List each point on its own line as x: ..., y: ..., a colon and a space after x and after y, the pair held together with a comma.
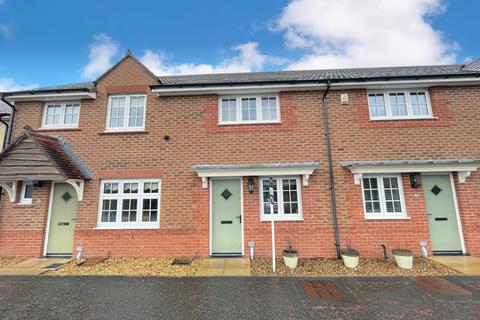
x: 350, y: 257
x: 403, y: 258
x: 290, y: 257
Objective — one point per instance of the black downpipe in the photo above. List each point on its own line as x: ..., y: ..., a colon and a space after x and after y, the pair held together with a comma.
x: 9, y: 133
x: 330, y: 169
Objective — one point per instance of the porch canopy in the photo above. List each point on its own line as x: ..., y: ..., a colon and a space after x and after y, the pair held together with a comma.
x: 463, y: 167
x: 37, y: 157
x: 304, y: 169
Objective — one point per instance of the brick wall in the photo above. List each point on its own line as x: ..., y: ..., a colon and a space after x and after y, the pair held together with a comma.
x: 196, y: 138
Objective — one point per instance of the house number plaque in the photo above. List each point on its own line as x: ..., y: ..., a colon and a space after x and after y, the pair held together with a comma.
x: 63, y: 224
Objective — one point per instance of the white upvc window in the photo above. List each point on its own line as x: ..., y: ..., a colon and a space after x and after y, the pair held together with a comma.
x: 399, y: 104
x: 383, y: 197
x: 61, y: 115
x: 126, y: 113
x: 26, y: 193
x: 287, y: 199
x: 129, y: 204
x: 249, y: 109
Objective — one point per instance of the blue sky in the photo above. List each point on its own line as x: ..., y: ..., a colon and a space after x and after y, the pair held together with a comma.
x: 50, y: 42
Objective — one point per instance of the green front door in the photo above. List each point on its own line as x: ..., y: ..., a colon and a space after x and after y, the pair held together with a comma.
x: 226, y: 217
x: 62, y: 220
x: 442, y: 216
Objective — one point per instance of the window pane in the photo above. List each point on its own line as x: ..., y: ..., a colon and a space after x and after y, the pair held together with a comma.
x: 130, y: 187
x: 150, y: 210
x: 398, y: 105
x: 392, y: 195
x: 229, y: 110
x: 289, y: 187
x: 266, y: 197
x: 28, y: 191
x: 109, y: 210
x: 110, y: 188
x: 129, y: 210
x: 54, y: 113
x: 371, y: 195
x: 117, y: 112
x: 269, y: 109
x: 136, y: 111
x: 72, y: 112
x: 419, y: 104
x: 249, y: 109
x: 376, y: 104
x: 150, y: 187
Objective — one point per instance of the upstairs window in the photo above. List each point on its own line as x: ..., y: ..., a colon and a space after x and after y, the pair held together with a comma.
x: 249, y: 109
x: 126, y: 112
x: 61, y: 115
x: 394, y: 105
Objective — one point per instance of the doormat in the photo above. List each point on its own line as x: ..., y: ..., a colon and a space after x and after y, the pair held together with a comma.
x: 54, y: 266
x: 322, y: 290
x: 182, y: 261
x: 437, y: 285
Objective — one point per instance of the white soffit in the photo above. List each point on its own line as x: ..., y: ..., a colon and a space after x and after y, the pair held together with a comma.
x: 267, y: 169
x: 51, y: 96
x: 463, y: 167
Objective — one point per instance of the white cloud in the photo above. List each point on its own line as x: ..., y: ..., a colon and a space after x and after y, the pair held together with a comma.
x: 352, y: 33
x: 247, y: 58
x: 5, y: 30
x: 102, y: 50
x: 8, y: 84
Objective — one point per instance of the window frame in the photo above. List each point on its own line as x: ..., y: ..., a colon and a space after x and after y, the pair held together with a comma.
x: 281, y: 216
x: 125, y: 126
x: 383, y: 214
x: 24, y: 200
x: 408, y: 101
x: 138, y: 224
x: 62, y: 125
x: 239, y: 98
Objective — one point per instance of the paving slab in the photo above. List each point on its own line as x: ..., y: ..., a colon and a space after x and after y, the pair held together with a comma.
x: 224, y: 267
x: 32, y: 267
x: 468, y: 265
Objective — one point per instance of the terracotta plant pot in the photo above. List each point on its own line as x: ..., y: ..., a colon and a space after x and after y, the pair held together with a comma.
x: 290, y: 258
x: 403, y: 258
x: 350, y: 257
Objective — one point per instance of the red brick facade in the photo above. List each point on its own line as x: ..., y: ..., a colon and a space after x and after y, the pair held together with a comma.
x: 196, y: 138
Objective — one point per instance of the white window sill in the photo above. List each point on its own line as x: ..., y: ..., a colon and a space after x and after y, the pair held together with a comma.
x: 129, y: 227
x: 267, y: 219
x: 25, y: 203
x: 385, y: 217
x: 248, y: 123
x: 58, y: 128
x: 404, y: 118
x: 124, y: 130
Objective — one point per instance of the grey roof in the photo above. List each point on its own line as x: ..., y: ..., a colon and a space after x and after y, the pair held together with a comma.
x: 66, y: 87
x: 5, y: 108
x: 473, y: 66
x: 256, y: 166
x: 406, y: 162
x: 320, y: 75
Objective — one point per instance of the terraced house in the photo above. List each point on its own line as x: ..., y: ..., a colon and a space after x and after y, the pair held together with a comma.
x: 138, y: 165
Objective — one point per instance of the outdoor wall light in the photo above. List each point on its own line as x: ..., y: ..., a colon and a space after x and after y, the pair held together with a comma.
x: 37, y: 184
x: 415, y: 180
x: 251, y: 184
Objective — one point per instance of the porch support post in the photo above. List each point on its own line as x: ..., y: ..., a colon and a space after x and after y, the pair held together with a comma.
x: 11, y: 189
x: 78, y: 186
x: 204, y: 182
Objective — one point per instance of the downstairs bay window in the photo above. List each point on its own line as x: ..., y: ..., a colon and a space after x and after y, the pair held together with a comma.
x: 383, y: 197
x: 287, y: 199
x: 129, y: 204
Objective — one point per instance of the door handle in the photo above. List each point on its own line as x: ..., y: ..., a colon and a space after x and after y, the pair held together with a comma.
x: 239, y: 218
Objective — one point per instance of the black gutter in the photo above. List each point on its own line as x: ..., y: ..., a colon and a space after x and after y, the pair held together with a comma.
x: 330, y: 168
x: 320, y: 81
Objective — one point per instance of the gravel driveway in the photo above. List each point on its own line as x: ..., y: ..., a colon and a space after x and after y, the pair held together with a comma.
x: 231, y: 298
